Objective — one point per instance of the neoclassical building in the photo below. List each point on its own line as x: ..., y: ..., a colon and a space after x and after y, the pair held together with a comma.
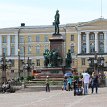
x: 92, y: 37
x: 83, y: 39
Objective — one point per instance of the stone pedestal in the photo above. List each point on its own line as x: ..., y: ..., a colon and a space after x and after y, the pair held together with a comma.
x: 57, y: 43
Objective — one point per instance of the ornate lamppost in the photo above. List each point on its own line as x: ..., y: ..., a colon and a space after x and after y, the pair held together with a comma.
x: 4, y: 64
x: 101, y: 69
x: 28, y: 66
x: 97, y: 64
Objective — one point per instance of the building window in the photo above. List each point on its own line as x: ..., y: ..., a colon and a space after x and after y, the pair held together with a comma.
x: 37, y: 62
x: 101, y: 36
x: 29, y: 39
x: 21, y: 50
x: 84, y: 48
x: 29, y: 49
x: 72, y: 37
x: 46, y: 38
x: 84, y: 37
x: 37, y: 50
x: 101, y: 47
x: 45, y: 47
x: 101, y: 42
x: 4, y: 50
x: 92, y: 37
x: 72, y: 48
x: 12, y: 39
x: 83, y: 61
x: 4, y: 39
x: 21, y: 39
x: 37, y: 38
x: 12, y: 50
x: 92, y: 47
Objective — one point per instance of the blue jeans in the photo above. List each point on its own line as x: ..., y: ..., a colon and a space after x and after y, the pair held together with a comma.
x: 86, y: 88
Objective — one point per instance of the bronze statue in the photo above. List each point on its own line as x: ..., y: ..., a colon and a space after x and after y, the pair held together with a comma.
x: 68, y: 59
x: 56, y: 22
x: 52, y: 58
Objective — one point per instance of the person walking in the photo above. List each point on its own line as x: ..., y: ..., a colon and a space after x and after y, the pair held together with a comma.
x: 47, y: 84
x: 94, y: 83
x: 86, y: 80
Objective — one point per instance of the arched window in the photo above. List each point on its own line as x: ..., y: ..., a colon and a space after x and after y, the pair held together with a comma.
x: 92, y: 36
x: 101, y: 42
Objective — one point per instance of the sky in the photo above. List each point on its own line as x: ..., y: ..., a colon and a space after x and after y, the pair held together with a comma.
x: 42, y: 12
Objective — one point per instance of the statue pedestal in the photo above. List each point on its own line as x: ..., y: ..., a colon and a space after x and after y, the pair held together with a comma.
x: 57, y: 43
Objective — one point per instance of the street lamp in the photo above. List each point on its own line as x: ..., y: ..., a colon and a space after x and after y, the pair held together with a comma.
x: 19, y: 29
x: 28, y: 66
x: 97, y: 64
x: 101, y: 66
x: 93, y: 63
x: 4, y: 64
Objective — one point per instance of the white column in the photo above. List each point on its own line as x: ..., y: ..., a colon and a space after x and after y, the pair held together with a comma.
x: 0, y: 45
x: 16, y: 44
x: 8, y: 45
x: 105, y: 42
x: 79, y: 42
x: 87, y: 42
x: 96, y: 41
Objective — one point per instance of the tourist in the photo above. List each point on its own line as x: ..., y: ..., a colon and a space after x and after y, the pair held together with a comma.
x: 3, y: 87
x: 94, y: 82
x: 47, y: 84
x: 64, y: 84
x: 86, y: 80
x: 69, y: 83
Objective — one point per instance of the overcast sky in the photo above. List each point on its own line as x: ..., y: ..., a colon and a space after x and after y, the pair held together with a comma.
x: 41, y: 12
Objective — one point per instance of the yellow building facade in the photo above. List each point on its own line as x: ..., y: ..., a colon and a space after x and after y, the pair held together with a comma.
x: 83, y: 39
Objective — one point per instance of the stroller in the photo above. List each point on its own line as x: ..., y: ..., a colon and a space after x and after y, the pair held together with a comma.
x: 78, y: 90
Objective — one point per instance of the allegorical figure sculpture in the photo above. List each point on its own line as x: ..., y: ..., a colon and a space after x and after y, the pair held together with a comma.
x: 52, y: 58
x: 68, y: 59
x: 56, y: 22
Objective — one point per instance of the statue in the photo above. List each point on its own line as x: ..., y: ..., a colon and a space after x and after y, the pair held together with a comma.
x: 46, y: 54
x: 56, y: 22
x: 68, y: 59
x: 52, y: 58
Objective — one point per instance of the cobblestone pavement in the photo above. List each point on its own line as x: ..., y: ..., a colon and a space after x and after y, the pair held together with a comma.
x: 55, y: 98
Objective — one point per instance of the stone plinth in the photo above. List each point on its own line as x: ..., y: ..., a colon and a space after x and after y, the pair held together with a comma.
x: 57, y: 43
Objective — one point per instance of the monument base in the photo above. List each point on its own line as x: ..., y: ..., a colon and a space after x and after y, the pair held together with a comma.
x: 57, y: 43
x: 51, y: 72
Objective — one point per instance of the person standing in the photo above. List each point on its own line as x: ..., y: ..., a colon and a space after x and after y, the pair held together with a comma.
x: 47, y: 84
x: 86, y: 80
x: 94, y: 83
x: 64, y: 87
x: 69, y: 83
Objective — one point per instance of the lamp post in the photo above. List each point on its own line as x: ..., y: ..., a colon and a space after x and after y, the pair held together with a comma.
x: 22, y: 25
x: 19, y: 52
x: 97, y: 64
x: 93, y: 63
x: 28, y: 66
x: 101, y: 70
x: 4, y: 64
